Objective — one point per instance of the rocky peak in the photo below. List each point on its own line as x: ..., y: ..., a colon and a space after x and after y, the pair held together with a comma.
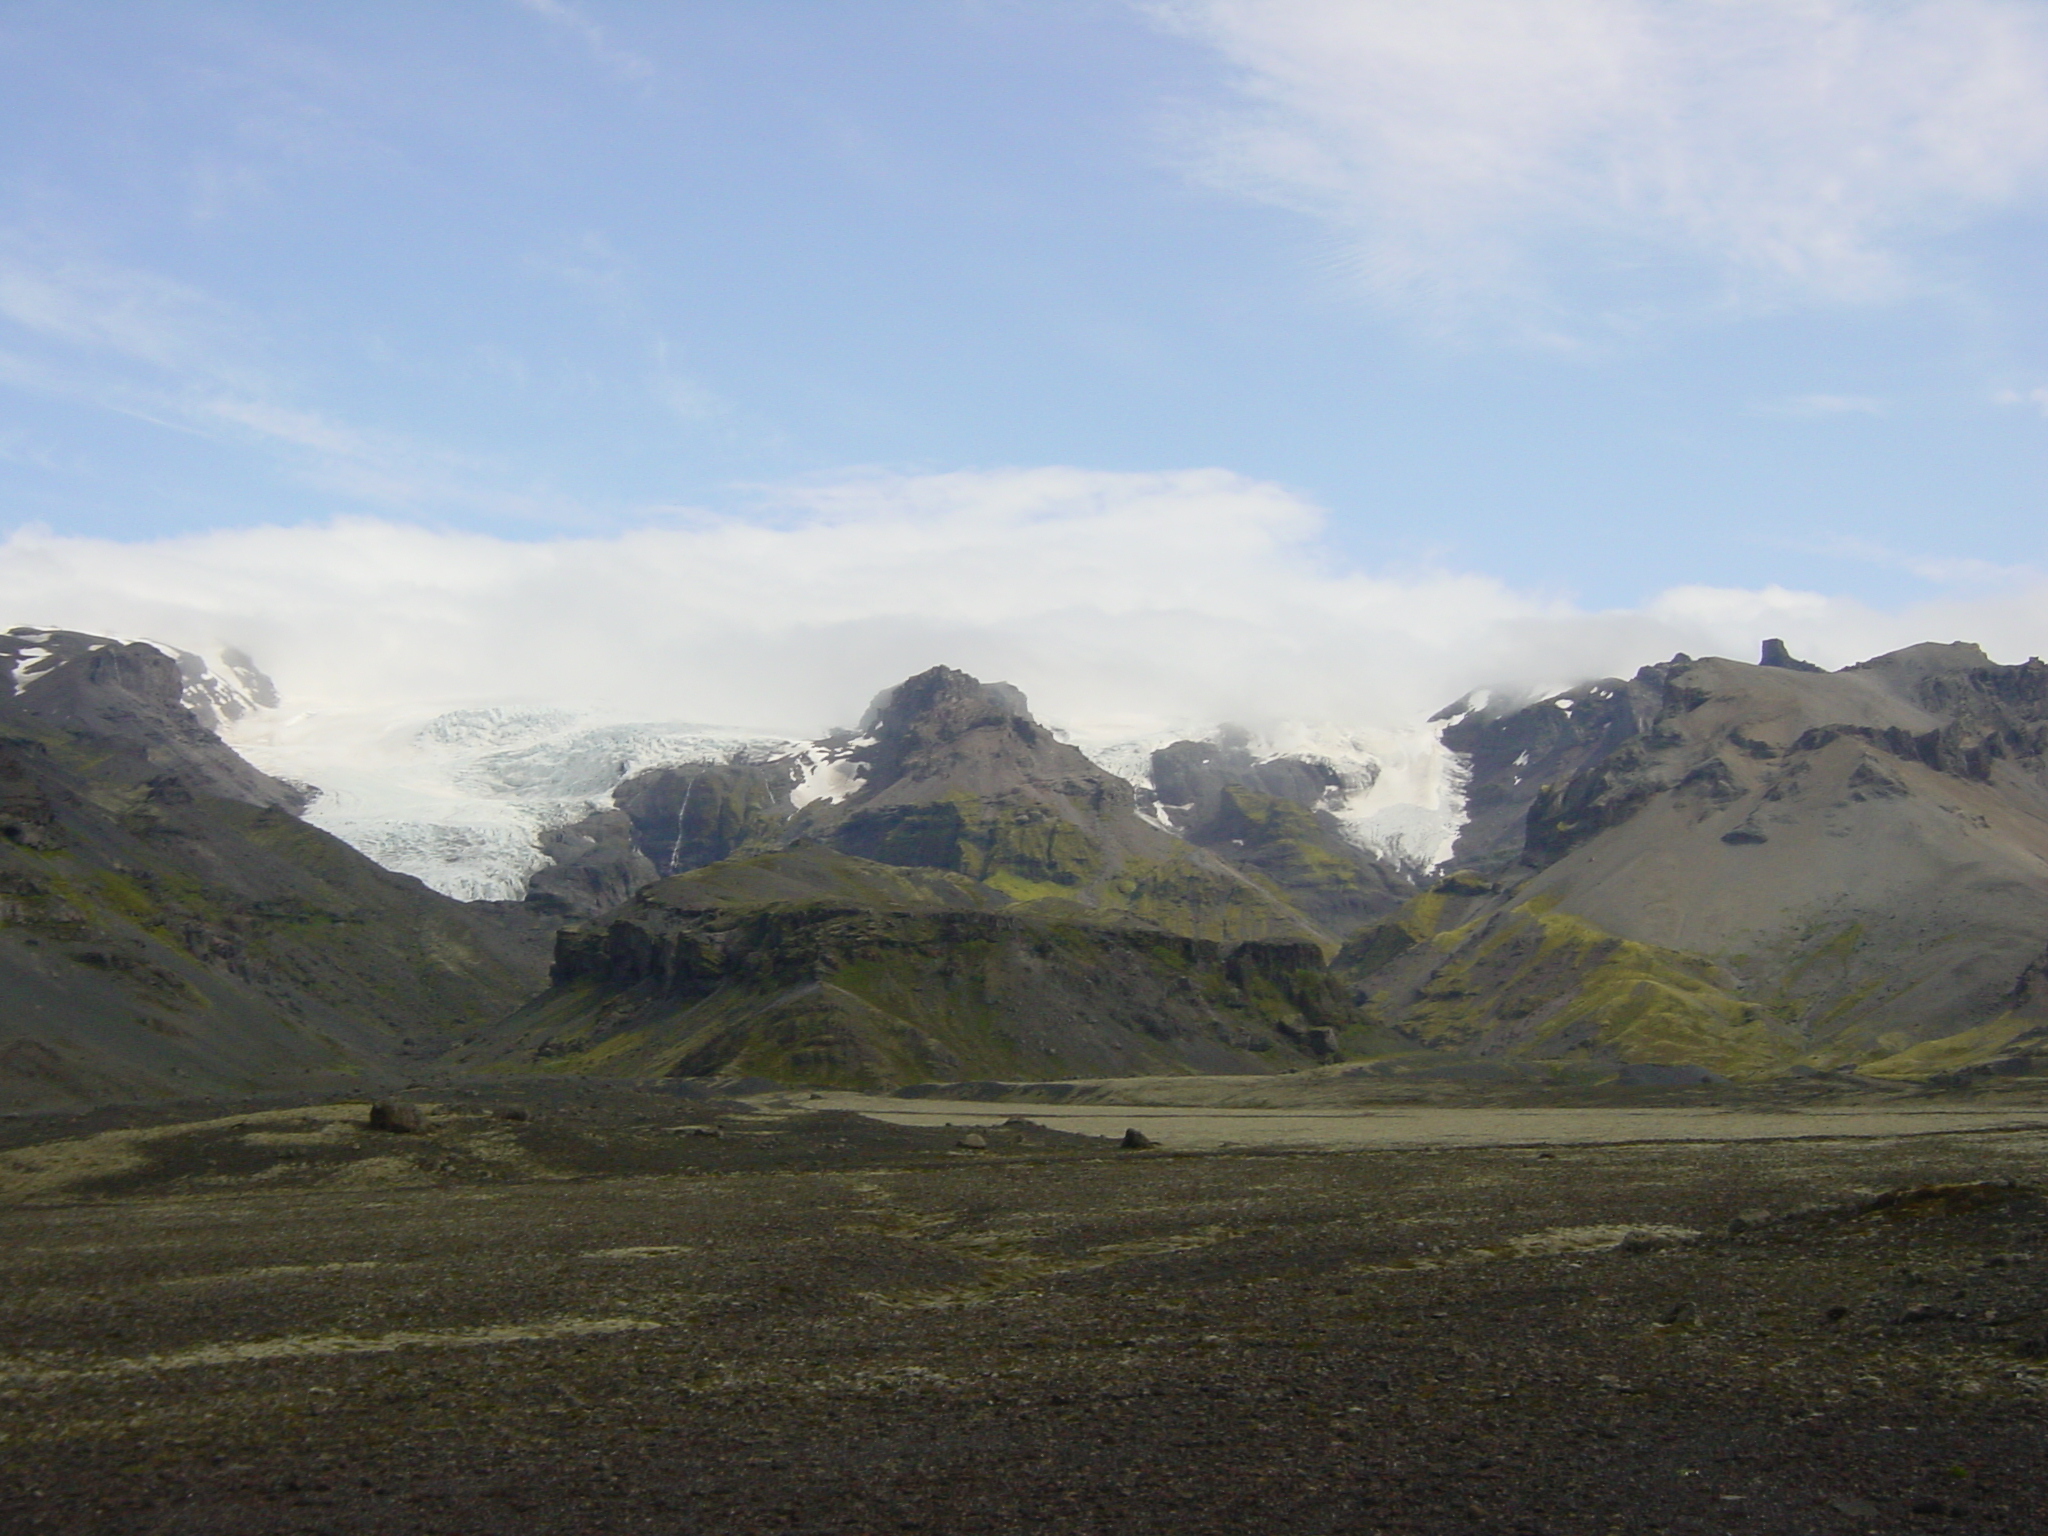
x: 941, y: 699
x: 134, y: 692
x: 1963, y: 685
x: 1189, y: 778
x: 944, y: 731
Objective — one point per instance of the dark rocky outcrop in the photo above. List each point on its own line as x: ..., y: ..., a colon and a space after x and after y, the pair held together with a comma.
x: 1515, y: 751
x: 809, y: 965
x: 596, y: 866
x: 1776, y: 655
x: 695, y: 814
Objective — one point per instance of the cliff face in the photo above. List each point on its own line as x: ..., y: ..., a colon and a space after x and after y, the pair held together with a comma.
x: 809, y: 965
x: 168, y: 925
x: 1749, y: 868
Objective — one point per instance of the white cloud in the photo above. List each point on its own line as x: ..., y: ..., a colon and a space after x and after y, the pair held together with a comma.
x: 1959, y: 573
x: 1122, y: 603
x: 2037, y: 398
x: 1537, y: 156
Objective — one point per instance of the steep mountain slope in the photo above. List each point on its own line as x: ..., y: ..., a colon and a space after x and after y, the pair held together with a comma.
x: 1273, y: 816
x: 809, y: 965
x: 168, y: 925
x: 143, y: 697
x: 957, y: 775
x: 949, y: 773
x: 1746, y: 867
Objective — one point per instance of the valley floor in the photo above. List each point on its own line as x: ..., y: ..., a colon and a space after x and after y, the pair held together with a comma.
x: 597, y: 1319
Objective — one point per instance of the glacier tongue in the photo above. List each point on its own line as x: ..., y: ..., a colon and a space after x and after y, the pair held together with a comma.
x: 1400, y: 793
x: 1412, y: 808
x: 459, y: 798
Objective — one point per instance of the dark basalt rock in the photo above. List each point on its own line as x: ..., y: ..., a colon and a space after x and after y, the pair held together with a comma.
x: 596, y: 867
x: 1775, y: 655
x: 404, y: 1119
x: 694, y: 814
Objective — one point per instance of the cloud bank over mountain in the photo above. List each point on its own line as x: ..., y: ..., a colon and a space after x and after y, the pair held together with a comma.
x: 1123, y: 604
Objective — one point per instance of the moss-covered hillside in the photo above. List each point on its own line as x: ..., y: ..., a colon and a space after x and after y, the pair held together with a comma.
x: 809, y: 965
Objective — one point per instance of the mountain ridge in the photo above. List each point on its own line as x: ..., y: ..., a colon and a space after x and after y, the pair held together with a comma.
x: 1845, y: 867
x: 1747, y: 869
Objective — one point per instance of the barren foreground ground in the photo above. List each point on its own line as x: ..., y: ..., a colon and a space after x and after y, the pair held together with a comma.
x: 597, y: 1319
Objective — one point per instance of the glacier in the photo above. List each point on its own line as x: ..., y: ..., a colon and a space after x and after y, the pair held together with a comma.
x: 460, y: 795
x: 460, y: 798
x: 1400, y: 792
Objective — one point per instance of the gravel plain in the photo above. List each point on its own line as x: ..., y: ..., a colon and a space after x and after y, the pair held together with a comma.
x: 604, y: 1317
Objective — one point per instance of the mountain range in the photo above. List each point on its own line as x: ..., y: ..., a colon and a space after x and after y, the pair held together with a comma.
x: 1711, y: 867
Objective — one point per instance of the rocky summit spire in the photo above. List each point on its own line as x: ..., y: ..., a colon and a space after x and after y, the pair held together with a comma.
x: 1775, y: 655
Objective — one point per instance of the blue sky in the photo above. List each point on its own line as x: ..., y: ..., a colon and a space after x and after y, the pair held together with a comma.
x: 1590, y: 300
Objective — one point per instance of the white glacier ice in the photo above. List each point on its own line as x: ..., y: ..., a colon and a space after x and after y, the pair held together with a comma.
x: 460, y: 798
x: 1400, y: 793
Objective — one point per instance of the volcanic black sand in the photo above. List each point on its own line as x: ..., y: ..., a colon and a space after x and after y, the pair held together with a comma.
x: 601, y: 1317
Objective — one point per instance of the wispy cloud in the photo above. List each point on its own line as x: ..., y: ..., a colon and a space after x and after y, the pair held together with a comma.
x: 1120, y: 602
x: 1810, y: 407
x: 1547, y: 161
x: 141, y: 345
x: 593, y: 267
x: 625, y: 64
x: 1959, y: 574
x: 80, y: 301
x: 2036, y: 397
x: 597, y: 271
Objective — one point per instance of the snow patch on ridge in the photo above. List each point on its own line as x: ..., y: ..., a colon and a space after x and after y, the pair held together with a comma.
x: 34, y: 659
x: 829, y: 774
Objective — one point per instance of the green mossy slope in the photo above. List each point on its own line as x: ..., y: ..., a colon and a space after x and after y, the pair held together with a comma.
x: 813, y: 966
x: 1460, y: 972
